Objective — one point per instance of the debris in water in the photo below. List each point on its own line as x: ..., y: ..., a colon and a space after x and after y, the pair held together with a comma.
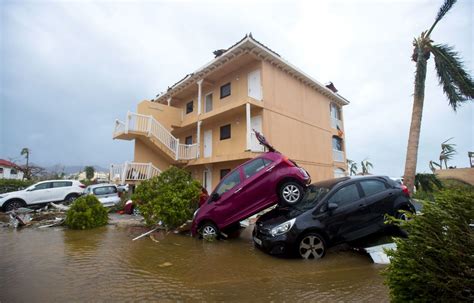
x: 378, y: 254
x: 166, y: 264
x: 145, y: 234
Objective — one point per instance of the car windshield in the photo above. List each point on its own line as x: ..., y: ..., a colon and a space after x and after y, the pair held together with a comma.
x: 313, y: 195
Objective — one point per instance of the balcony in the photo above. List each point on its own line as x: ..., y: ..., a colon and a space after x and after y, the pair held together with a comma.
x: 132, y: 172
x: 337, y: 155
x: 148, y: 126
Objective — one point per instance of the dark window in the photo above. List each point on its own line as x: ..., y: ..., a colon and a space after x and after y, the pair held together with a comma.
x: 13, y: 171
x: 62, y: 184
x: 225, y: 132
x: 229, y: 182
x: 105, y: 190
x: 345, y: 195
x: 253, y: 167
x: 1, y: 170
x: 189, y: 107
x: 43, y: 186
x: 224, y: 172
x: 371, y: 187
x: 188, y: 140
x: 336, y: 143
x: 225, y: 90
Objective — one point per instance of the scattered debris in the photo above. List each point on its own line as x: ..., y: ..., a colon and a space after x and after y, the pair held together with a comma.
x: 378, y: 254
x: 59, y: 206
x: 146, y: 234
x: 166, y: 264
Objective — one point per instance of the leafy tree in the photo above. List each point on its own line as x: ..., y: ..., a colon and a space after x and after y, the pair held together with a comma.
x: 456, y: 82
x: 89, y: 172
x: 435, y: 263
x: 352, y: 167
x: 86, y: 212
x: 427, y: 182
x: 171, y: 197
x: 447, y: 152
x: 366, y: 166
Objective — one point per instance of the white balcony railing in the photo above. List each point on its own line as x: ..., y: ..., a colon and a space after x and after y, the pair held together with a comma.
x: 132, y: 171
x: 336, y: 122
x: 152, y: 128
x: 337, y: 155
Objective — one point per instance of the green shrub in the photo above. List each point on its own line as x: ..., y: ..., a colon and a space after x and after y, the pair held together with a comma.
x: 436, y: 262
x: 171, y: 197
x: 86, y: 212
x: 7, y: 185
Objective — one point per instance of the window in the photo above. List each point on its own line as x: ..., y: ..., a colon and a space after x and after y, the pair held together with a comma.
x: 224, y: 172
x: 208, y: 103
x: 339, y: 173
x: 62, y: 184
x: 188, y: 140
x: 345, y: 195
x: 225, y: 132
x: 267, y: 162
x: 189, y: 107
x: 43, y: 186
x: 372, y: 187
x: 253, y: 167
x: 225, y: 90
x: 13, y: 171
x: 105, y: 190
x: 229, y: 182
x: 1, y: 170
x: 335, y: 112
x: 336, y: 143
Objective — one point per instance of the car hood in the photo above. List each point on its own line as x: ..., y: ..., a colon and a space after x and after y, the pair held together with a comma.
x: 12, y: 193
x: 278, y: 216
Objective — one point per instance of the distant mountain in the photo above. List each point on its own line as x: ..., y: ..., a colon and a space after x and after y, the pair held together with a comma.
x: 71, y: 169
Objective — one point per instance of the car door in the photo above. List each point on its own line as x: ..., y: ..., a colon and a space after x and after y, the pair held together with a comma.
x: 351, y: 214
x: 39, y: 194
x: 380, y: 198
x: 59, y: 190
x: 227, y: 207
x: 256, y: 192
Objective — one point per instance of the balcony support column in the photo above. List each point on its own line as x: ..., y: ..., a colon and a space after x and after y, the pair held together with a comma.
x: 199, y: 83
x: 198, y: 139
x: 247, y: 120
x: 169, y: 101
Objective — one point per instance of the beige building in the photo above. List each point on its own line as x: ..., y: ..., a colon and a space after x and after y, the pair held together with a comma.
x: 204, y: 122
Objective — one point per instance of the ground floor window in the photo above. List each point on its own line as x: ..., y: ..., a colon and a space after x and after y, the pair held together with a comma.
x: 225, y: 132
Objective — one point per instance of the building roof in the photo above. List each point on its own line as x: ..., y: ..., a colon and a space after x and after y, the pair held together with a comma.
x: 249, y: 45
x: 6, y: 163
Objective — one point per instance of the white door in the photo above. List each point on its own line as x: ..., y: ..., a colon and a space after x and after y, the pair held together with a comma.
x: 255, y: 123
x: 255, y: 85
x: 207, y: 180
x: 208, y: 143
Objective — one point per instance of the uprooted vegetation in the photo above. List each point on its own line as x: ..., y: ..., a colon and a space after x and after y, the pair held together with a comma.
x: 85, y: 213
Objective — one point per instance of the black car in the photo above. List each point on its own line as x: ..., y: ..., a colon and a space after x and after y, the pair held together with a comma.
x: 331, y: 212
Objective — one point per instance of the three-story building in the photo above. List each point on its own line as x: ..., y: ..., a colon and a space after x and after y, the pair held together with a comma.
x: 204, y: 122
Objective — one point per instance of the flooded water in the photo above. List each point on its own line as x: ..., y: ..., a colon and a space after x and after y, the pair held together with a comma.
x: 57, y: 264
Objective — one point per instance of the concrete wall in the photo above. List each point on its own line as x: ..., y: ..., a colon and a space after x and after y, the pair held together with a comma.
x: 166, y: 115
x: 143, y: 153
x: 462, y: 174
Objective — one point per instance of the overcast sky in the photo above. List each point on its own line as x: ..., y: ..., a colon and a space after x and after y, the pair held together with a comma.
x: 68, y: 69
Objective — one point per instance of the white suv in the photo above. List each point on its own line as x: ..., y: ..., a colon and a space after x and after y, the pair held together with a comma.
x: 42, y: 192
x: 107, y: 194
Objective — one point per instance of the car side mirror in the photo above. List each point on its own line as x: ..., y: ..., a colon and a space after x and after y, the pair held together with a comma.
x: 215, y: 197
x: 332, y: 206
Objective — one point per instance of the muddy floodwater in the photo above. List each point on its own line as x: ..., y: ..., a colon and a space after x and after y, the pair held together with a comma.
x: 56, y: 264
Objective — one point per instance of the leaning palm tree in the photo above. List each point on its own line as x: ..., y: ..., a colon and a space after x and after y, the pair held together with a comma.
x: 448, y: 150
x: 26, y: 152
x: 456, y: 82
x: 352, y: 167
x: 366, y: 165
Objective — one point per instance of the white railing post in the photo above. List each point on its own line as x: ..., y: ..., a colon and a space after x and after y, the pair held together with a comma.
x: 124, y: 172
x: 177, y: 149
x: 148, y: 173
x: 150, y: 119
x: 127, y: 121
x: 248, y: 120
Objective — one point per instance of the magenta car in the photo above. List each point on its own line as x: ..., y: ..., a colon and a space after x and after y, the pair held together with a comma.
x: 248, y: 189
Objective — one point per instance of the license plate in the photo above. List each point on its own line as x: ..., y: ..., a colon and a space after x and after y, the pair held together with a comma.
x: 257, y: 240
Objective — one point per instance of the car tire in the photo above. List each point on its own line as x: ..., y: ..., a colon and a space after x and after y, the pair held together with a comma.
x: 209, y: 231
x: 14, y: 204
x: 312, y: 246
x: 402, y: 216
x: 70, y: 198
x: 290, y: 193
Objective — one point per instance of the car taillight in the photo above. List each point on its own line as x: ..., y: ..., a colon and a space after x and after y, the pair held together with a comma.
x: 405, y: 190
x: 82, y: 186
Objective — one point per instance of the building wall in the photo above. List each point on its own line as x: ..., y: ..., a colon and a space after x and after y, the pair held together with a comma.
x: 6, y: 173
x: 166, y: 115
x: 462, y: 174
x: 143, y: 153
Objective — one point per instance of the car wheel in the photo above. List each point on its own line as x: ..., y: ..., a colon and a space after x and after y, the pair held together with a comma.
x: 312, y: 247
x: 291, y: 193
x: 401, y: 215
x: 209, y: 231
x: 70, y: 198
x: 14, y: 204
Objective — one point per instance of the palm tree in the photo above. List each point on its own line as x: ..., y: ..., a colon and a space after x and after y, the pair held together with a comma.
x: 447, y: 152
x: 366, y: 165
x: 26, y: 152
x: 352, y: 167
x: 456, y: 82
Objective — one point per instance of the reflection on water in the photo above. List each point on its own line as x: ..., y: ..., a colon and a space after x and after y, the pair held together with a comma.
x: 104, y: 264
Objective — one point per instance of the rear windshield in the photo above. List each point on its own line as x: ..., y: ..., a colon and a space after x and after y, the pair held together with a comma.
x: 312, y: 196
x: 105, y: 190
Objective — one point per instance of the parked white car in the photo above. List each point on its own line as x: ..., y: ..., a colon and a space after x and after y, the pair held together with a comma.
x: 106, y: 193
x: 41, y: 193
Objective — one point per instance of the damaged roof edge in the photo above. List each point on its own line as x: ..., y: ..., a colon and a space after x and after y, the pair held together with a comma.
x: 240, y: 45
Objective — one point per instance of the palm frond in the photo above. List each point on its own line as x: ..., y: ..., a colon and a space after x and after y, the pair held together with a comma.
x: 443, y: 10
x: 427, y: 182
x: 456, y: 82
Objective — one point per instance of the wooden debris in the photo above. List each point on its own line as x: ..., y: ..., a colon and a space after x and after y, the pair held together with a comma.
x: 145, y: 234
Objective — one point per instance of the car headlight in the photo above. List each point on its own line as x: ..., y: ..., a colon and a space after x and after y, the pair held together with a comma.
x: 195, y: 213
x: 282, y: 228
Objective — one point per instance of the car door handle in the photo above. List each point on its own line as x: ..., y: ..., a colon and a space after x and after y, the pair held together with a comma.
x: 237, y: 190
